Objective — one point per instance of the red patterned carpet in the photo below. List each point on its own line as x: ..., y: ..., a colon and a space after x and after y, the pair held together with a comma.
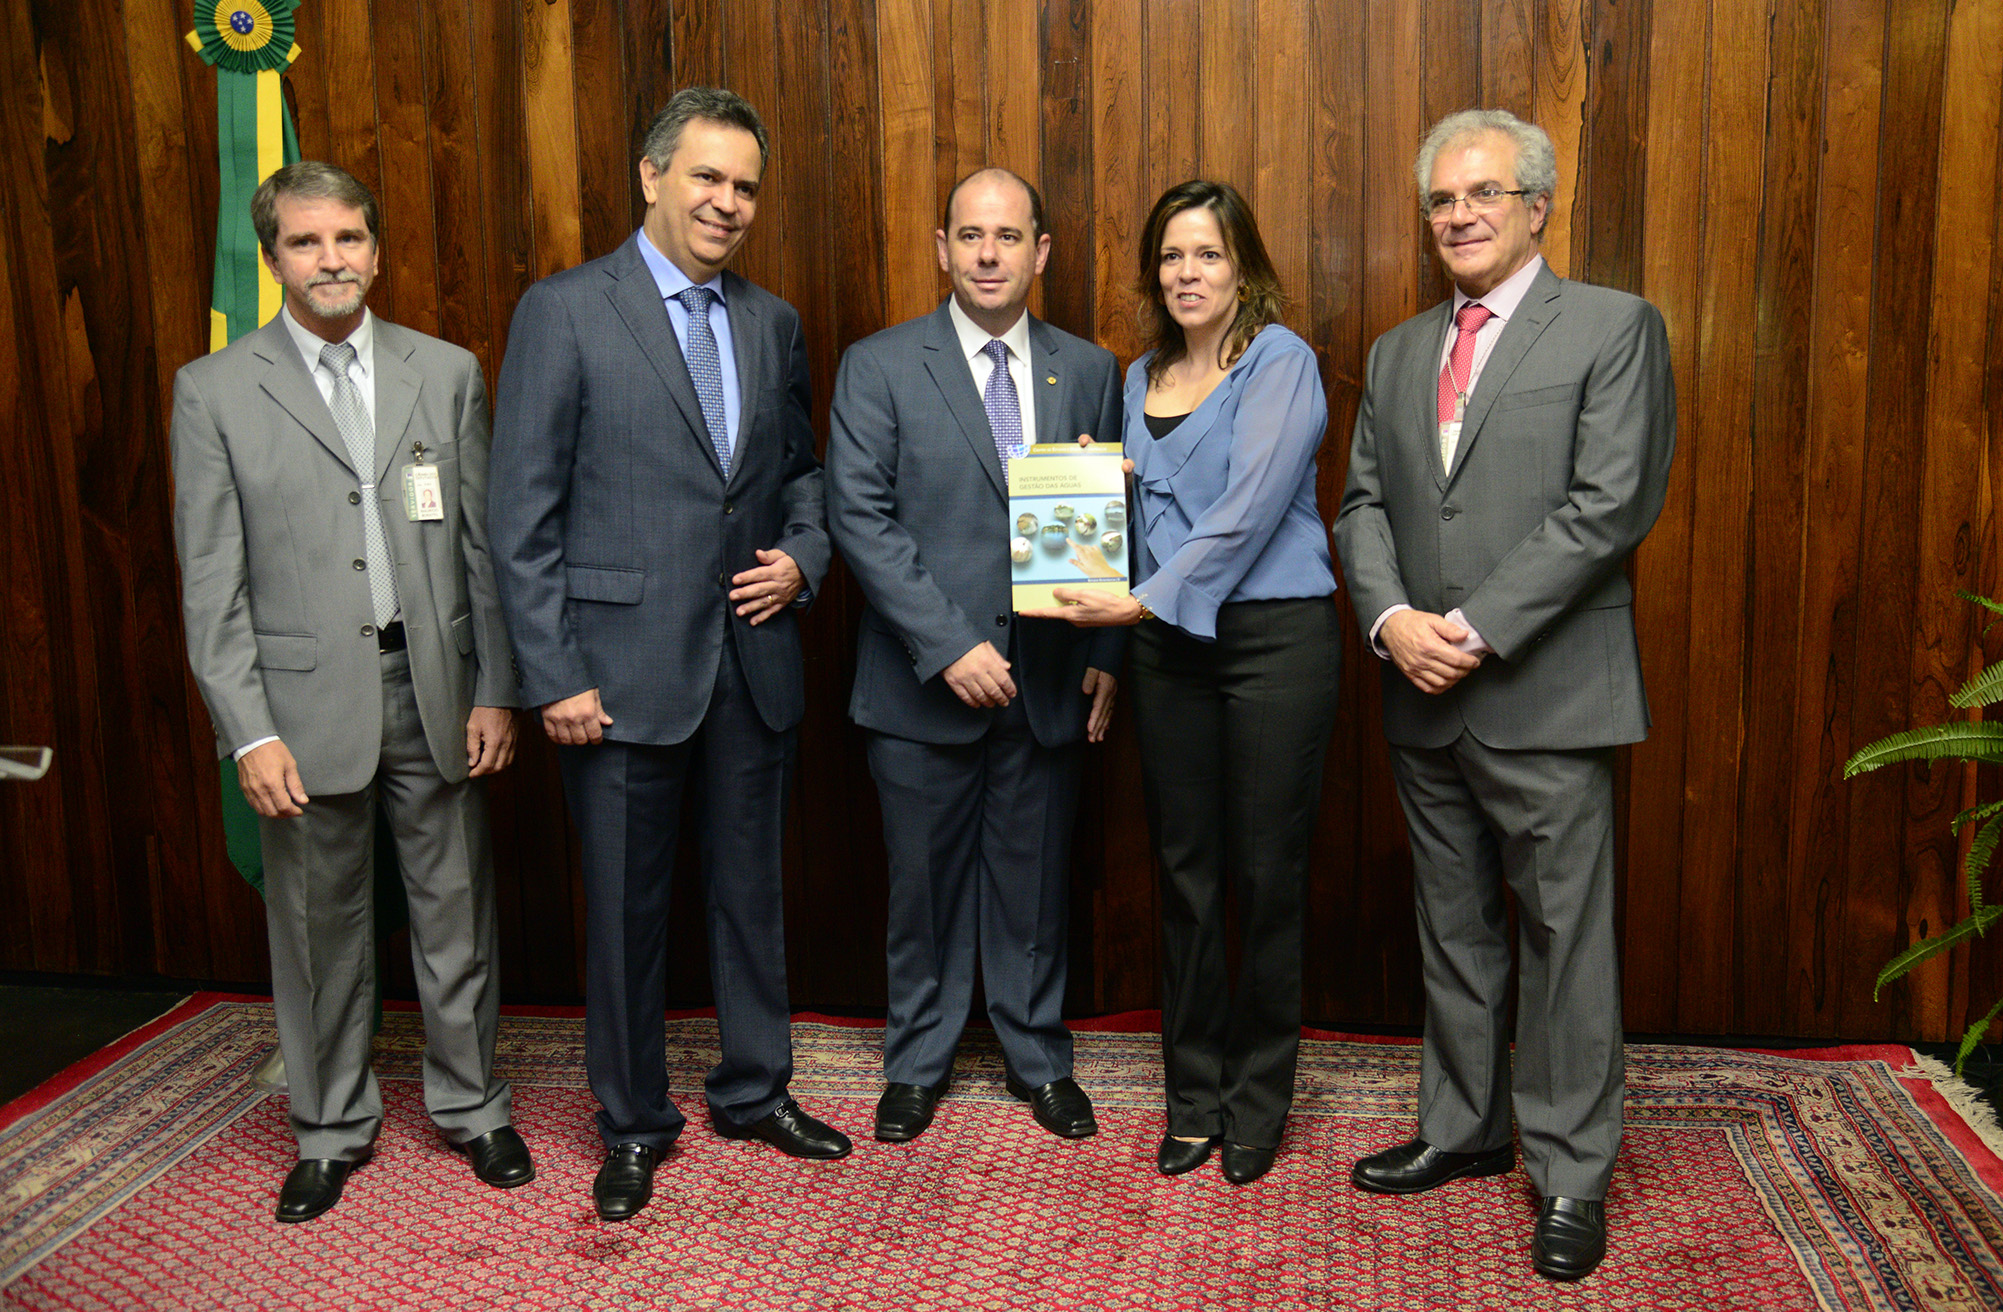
x: 146, y: 1177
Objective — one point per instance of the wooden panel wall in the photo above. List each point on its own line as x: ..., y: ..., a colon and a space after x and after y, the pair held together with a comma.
x: 1806, y: 188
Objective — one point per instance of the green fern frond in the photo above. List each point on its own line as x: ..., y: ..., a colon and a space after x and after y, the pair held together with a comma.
x: 1973, y: 1036
x: 1977, y: 922
x: 1979, y: 852
x: 1980, y: 811
x: 1976, y: 740
x: 1965, y: 595
x: 1981, y: 690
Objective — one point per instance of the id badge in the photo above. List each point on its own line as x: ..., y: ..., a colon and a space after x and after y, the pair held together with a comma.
x: 1450, y: 437
x: 421, y: 496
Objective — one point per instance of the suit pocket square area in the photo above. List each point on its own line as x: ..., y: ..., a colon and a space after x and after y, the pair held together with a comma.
x: 287, y: 651
x: 605, y: 583
x: 1537, y: 396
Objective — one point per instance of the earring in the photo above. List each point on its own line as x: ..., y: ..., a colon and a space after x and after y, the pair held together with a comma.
x: 1244, y: 293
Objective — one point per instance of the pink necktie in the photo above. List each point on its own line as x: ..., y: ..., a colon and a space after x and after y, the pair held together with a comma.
x: 1453, y: 375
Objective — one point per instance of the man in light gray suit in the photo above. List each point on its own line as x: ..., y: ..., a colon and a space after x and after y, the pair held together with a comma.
x: 975, y: 717
x: 330, y: 495
x: 1511, y: 450
x: 657, y: 523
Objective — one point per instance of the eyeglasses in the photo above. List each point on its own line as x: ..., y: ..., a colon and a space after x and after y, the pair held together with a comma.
x: 1483, y: 200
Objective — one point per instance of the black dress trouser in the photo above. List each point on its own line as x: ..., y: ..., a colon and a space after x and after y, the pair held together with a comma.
x: 1233, y: 734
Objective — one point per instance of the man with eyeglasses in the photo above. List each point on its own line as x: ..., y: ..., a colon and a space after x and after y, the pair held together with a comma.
x: 1511, y: 451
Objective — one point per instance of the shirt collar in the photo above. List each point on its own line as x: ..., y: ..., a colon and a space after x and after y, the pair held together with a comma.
x: 668, y: 275
x: 309, y: 343
x: 974, y: 338
x: 1506, y: 295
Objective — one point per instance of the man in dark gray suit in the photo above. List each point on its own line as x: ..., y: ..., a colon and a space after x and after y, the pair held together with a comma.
x: 975, y: 718
x: 657, y: 523
x: 329, y: 496
x: 1511, y: 450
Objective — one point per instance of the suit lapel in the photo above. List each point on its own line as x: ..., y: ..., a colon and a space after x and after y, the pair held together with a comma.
x: 637, y: 298
x: 396, y: 393
x: 1539, y: 307
x: 1048, y: 380
x: 748, y: 336
x: 956, y: 384
x: 286, y: 381
x: 1427, y: 402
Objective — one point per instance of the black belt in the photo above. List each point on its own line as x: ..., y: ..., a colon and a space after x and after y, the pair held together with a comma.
x: 390, y: 637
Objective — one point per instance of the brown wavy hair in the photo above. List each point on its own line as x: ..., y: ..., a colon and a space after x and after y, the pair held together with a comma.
x: 1260, y: 299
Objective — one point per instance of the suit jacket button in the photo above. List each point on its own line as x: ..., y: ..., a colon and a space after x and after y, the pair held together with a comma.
x: 1448, y: 513
x: 722, y: 581
x: 729, y: 509
x: 361, y: 564
x: 1001, y: 621
x: 368, y: 630
x: 354, y: 498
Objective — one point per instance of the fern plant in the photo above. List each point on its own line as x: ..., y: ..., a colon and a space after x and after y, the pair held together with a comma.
x: 1980, y: 741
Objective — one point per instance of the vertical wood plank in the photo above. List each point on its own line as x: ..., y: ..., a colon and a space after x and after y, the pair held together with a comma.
x: 1014, y: 86
x: 1561, y: 94
x: 1888, y: 905
x: 904, y: 71
x: 1775, y: 540
x: 1070, y: 207
x: 1838, y: 360
x: 1231, y: 67
x: 1720, y: 464
x: 1174, y: 83
x: 550, y: 106
x: 1283, y: 150
x: 1955, y: 439
x: 1654, y: 865
x: 608, y: 153
x: 1119, y: 181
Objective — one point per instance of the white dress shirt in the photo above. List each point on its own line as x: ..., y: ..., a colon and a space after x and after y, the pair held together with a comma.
x: 973, y: 344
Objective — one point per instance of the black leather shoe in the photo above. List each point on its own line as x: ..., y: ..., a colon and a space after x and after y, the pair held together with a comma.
x: 1178, y: 1156
x: 904, y: 1110
x: 625, y: 1182
x: 1242, y: 1165
x: 1413, y: 1168
x: 1571, y: 1237
x: 1061, y: 1107
x: 311, y: 1187
x: 500, y: 1157
x: 791, y: 1130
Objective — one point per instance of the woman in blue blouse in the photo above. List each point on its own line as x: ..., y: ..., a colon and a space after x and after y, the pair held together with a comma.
x: 1235, y: 662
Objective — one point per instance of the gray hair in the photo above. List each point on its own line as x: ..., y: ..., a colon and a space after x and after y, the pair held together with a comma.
x: 710, y: 104
x: 1536, y: 161
x: 309, y: 179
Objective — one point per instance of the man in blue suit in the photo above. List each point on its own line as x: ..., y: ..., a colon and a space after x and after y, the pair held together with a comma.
x: 657, y: 524
x: 975, y: 718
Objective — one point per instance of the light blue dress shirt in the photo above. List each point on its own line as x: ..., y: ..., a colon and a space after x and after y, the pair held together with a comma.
x: 1226, y: 502
x: 672, y: 282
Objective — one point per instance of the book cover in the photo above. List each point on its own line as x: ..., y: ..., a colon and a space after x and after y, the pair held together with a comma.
x: 1067, y: 521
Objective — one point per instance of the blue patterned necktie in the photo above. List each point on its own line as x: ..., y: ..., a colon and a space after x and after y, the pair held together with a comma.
x: 351, y: 416
x: 706, y: 370
x: 1004, y: 406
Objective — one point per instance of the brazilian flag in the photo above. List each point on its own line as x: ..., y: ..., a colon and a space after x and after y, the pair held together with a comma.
x: 249, y: 43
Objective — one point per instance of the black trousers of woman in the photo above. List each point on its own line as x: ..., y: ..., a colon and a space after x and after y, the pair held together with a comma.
x: 1233, y: 734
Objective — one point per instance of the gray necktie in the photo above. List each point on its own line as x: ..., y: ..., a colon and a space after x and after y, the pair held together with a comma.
x: 352, y: 418
x: 706, y: 370
x: 1003, y: 404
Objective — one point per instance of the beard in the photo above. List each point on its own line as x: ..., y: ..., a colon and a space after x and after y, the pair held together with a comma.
x: 341, y: 309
